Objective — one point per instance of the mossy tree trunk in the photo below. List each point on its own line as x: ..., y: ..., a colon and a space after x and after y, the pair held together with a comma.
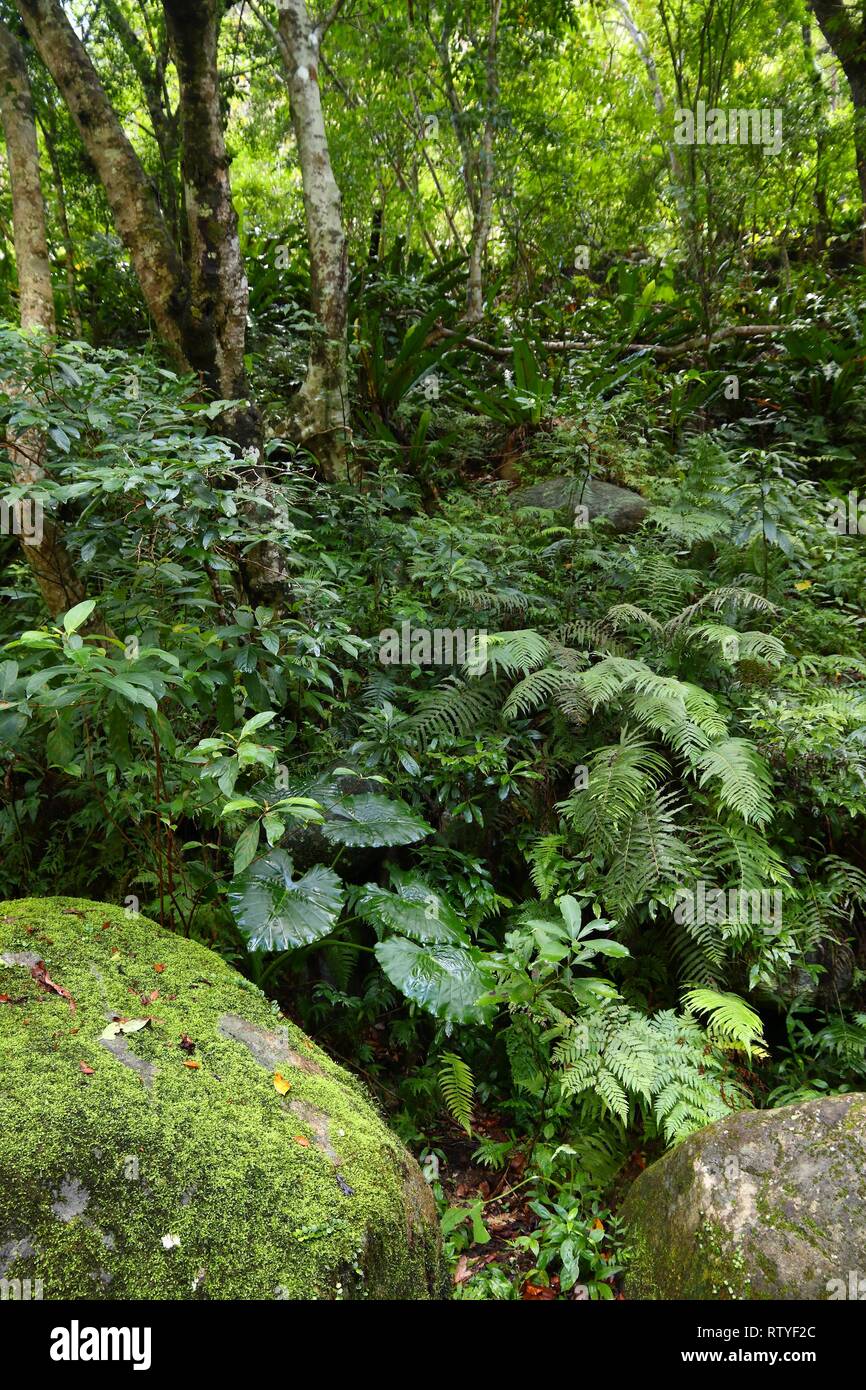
x: 131, y: 196
x: 52, y: 566
x: 199, y: 310
x: 214, y: 332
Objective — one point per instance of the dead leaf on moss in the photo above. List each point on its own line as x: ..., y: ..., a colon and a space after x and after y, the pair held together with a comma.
x: 123, y: 1026
x: 40, y: 975
x: 281, y: 1084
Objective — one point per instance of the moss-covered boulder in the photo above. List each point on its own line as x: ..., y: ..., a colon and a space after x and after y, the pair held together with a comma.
x: 165, y: 1135
x: 624, y: 509
x: 765, y: 1204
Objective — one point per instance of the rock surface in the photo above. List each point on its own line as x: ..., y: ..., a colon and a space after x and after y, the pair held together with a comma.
x: 163, y: 1162
x: 624, y: 509
x: 766, y: 1204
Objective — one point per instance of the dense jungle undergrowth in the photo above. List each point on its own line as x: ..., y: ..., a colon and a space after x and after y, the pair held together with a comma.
x: 546, y: 823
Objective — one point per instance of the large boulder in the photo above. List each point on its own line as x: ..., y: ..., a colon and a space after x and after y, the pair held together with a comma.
x: 624, y: 509
x: 205, y: 1148
x: 765, y: 1204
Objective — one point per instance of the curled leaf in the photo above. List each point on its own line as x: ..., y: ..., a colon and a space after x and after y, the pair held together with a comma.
x: 123, y: 1026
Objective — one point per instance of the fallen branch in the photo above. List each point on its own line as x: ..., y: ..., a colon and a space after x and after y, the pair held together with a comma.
x: 700, y: 341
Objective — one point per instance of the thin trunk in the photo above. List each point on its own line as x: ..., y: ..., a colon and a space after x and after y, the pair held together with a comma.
x: 68, y: 244
x: 322, y: 404
x: 48, y: 558
x: 678, y: 174
x: 813, y: 72
x: 478, y: 165
x: 482, y: 220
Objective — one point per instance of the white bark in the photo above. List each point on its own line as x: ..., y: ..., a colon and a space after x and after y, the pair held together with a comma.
x: 322, y: 404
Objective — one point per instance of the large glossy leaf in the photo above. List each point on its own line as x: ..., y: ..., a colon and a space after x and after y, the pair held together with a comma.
x: 443, y: 979
x: 414, y: 909
x: 276, y: 912
x: 373, y: 822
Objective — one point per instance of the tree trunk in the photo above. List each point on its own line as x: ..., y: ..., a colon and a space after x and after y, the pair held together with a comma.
x: 63, y: 220
x: 48, y: 558
x: 678, y: 174
x: 150, y: 70
x: 322, y: 404
x: 478, y: 165
x: 847, y: 40
x: 130, y: 194
x: 215, y: 331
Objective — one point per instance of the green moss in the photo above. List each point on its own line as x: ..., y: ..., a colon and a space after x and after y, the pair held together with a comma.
x: 208, y: 1154
x: 673, y: 1257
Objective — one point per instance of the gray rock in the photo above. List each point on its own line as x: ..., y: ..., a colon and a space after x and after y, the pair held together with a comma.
x: 765, y: 1204
x: 624, y: 509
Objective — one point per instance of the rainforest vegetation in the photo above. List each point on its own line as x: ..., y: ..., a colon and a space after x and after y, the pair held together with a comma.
x: 434, y: 554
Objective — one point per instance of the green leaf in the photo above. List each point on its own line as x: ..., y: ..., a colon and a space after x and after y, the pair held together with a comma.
x: 443, y: 979
x: 257, y: 721
x: 247, y: 844
x: 78, y: 615
x: 240, y: 803
x: 414, y: 910
x: 60, y: 745
x: 374, y: 822
x: 276, y: 912
x: 275, y: 827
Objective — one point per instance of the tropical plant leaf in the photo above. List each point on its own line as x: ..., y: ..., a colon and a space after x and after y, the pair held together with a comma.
x: 443, y: 979
x: 373, y: 822
x: 276, y: 912
x: 414, y: 909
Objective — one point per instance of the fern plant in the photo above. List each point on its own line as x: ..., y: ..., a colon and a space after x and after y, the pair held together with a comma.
x: 458, y: 1088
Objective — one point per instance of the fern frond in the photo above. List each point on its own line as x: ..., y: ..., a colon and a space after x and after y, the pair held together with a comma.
x: 454, y: 710
x: 725, y: 596
x: 624, y: 614
x: 536, y: 689
x: 522, y: 651
x: 732, y: 1023
x: 743, y: 778
x: 458, y: 1088
x: 620, y: 775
